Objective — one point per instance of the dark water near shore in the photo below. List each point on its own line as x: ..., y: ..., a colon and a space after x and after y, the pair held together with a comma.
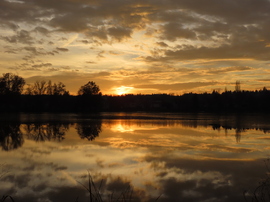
x: 179, y: 157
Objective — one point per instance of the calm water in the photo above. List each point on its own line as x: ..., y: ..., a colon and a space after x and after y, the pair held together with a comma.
x: 176, y: 157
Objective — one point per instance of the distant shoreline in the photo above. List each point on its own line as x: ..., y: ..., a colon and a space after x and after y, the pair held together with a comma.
x: 226, y: 102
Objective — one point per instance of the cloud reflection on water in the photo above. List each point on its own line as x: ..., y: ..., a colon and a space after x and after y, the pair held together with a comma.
x: 187, y: 160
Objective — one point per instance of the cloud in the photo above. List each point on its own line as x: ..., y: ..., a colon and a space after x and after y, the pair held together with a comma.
x: 101, y: 55
x: 42, y: 65
x: 85, y: 41
x: 73, y: 22
x: 205, y: 179
x: 119, y: 33
x: 173, y: 31
x: 42, y: 30
x: 182, y: 34
x: 91, y: 62
x: 9, y: 25
x: 229, y: 69
x: 22, y: 36
x: 162, y: 44
x: 176, y: 86
x: 62, y: 49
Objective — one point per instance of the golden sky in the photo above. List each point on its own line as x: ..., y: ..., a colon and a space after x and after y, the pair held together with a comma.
x: 150, y: 46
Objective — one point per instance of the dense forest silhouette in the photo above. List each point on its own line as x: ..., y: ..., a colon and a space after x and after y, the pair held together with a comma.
x: 45, y: 96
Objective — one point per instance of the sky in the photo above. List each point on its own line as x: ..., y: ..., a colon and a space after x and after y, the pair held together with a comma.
x: 134, y: 46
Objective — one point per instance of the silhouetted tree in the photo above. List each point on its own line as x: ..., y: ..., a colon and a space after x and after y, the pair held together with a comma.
x: 90, y: 97
x: 89, y: 130
x: 59, y: 89
x: 46, y: 88
x: 46, y: 132
x: 10, y: 136
x: 91, y: 88
x: 11, y: 84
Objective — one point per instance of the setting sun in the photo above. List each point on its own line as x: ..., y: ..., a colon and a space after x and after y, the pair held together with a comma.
x: 123, y: 90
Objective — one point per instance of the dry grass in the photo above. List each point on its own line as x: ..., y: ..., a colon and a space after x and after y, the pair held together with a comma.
x: 95, y: 194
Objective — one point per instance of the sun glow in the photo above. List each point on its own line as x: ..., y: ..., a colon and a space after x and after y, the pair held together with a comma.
x: 122, y: 128
x: 123, y: 90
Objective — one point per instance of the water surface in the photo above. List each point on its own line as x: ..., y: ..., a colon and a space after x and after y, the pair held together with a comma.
x: 176, y: 157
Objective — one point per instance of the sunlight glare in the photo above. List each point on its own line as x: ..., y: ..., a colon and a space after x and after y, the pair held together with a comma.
x: 121, y: 128
x: 123, y: 90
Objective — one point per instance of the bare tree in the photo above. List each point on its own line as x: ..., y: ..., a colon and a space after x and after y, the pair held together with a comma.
x: 59, y: 89
x: 40, y: 87
x: 46, y: 88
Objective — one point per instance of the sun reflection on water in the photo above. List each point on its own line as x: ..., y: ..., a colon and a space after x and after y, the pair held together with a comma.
x: 179, y: 161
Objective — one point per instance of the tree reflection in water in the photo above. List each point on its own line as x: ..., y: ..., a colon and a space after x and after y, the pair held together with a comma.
x: 46, y: 132
x: 89, y: 130
x: 11, y: 136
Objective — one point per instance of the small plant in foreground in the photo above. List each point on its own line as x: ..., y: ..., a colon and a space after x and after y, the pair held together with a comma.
x: 96, y: 196
x: 6, y: 197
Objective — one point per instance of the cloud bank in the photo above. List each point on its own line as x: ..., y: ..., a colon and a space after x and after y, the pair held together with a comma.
x: 169, y: 35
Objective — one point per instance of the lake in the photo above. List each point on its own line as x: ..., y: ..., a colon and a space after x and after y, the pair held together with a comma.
x: 141, y: 156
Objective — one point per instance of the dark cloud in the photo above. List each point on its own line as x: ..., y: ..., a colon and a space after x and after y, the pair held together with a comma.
x: 85, y: 41
x: 11, y: 11
x: 10, y: 25
x: 72, y: 22
x: 42, y: 65
x: 32, y: 50
x: 248, y: 50
x: 62, y: 49
x: 118, y: 185
x: 217, y: 180
x: 173, y: 31
x: 119, y: 33
x: 181, y: 33
x: 101, y: 74
x: 99, y: 33
x: 229, y: 69
x: 42, y: 30
x: 162, y: 44
x: 22, y: 36
x: 35, y: 51
x: 21, y: 180
x: 229, y: 21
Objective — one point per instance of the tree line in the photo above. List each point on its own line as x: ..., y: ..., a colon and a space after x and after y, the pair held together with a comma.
x: 45, y: 96
x: 11, y: 84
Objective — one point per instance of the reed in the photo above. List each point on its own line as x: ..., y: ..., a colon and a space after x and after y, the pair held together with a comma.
x: 6, y: 197
x: 95, y: 194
